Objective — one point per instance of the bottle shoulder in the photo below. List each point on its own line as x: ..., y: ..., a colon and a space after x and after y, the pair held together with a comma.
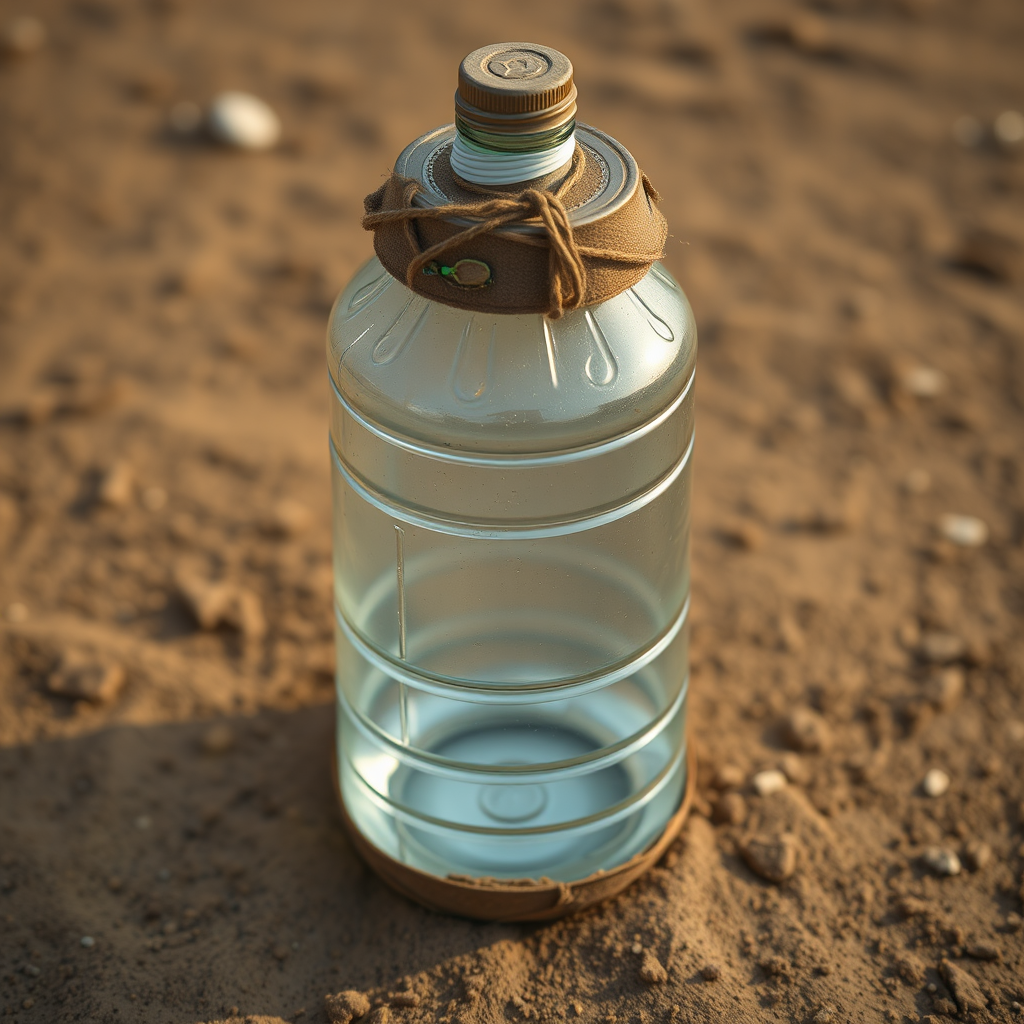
x: 509, y: 383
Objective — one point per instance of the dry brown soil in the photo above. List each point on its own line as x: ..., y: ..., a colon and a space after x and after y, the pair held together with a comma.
x: 165, y: 787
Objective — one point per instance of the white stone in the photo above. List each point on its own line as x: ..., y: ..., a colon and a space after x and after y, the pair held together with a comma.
x: 88, y: 941
x: 942, y: 861
x: 243, y: 121
x: 925, y: 381
x: 935, y: 783
x: 964, y: 531
x: 768, y: 782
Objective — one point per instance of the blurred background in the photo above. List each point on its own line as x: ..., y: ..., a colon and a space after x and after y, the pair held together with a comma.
x: 843, y: 183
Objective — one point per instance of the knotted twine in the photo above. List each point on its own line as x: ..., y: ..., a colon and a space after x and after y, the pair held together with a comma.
x: 566, y: 269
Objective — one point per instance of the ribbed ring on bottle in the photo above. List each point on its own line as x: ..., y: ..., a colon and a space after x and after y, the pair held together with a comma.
x: 595, y: 760
x: 582, y: 826
x: 539, y: 692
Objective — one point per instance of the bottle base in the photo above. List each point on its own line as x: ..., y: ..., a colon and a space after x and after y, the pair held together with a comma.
x: 507, y: 899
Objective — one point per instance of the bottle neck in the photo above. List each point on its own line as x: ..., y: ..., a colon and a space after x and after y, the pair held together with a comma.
x: 484, y: 166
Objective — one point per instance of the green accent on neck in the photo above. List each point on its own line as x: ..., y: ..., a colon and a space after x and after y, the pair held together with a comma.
x: 492, y: 142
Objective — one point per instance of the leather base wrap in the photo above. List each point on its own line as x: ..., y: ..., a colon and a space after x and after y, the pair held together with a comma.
x: 616, y: 229
x: 499, y: 899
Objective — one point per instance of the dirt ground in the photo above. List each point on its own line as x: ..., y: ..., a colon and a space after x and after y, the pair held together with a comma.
x: 853, y: 246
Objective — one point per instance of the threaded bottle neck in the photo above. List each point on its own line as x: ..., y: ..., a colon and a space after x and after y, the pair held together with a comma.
x: 515, y: 114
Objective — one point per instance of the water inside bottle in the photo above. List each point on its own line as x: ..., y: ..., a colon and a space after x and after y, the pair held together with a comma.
x: 512, y: 583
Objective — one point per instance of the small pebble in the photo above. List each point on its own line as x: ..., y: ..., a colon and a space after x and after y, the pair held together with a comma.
x: 794, y: 768
x: 769, y: 781
x: 87, y: 941
x: 963, y: 531
x: 729, y: 809
x: 728, y: 776
x: 924, y: 382
x: 405, y: 999
x: 142, y: 822
x: 652, y: 971
x: 22, y: 35
x: 286, y: 518
x: 968, y: 131
x: 910, y: 906
x: 805, y: 730
x: 31, y: 970
x: 945, y: 688
x: 773, y: 858
x: 977, y: 854
x: 791, y: 636
x: 711, y: 972
x: 221, y: 604
x: 941, y: 648
x: 82, y: 676
x: 984, y: 951
x: 243, y: 121
x: 917, y: 481
x: 935, y: 783
x: 344, y: 1007
x: 1009, y: 128
x: 910, y: 969
x: 941, y: 861
x: 744, y: 534
x: 1013, y: 922
x: 115, y: 485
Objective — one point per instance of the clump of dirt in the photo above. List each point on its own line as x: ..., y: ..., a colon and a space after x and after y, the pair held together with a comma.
x: 845, y: 194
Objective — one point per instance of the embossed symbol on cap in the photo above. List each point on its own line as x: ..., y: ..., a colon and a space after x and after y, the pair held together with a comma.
x: 518, y: 64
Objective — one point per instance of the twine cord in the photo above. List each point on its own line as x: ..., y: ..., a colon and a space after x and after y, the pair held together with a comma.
x: 567, y: 274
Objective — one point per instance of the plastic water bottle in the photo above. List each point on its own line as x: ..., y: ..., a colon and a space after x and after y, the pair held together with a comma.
x: 511, y: 544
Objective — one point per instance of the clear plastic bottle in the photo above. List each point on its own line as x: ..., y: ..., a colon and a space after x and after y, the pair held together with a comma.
x: 511, y: 545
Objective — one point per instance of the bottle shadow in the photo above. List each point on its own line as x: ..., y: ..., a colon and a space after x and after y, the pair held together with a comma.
x: 207, y: 864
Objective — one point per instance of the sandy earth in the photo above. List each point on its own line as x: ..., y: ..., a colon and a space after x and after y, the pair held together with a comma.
x: 165, y: 788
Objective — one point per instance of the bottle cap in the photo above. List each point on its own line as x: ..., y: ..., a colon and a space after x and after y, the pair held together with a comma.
x: 515, y: 89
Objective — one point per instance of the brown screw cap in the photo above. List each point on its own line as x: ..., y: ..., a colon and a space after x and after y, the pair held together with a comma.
x: 515, y: 89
